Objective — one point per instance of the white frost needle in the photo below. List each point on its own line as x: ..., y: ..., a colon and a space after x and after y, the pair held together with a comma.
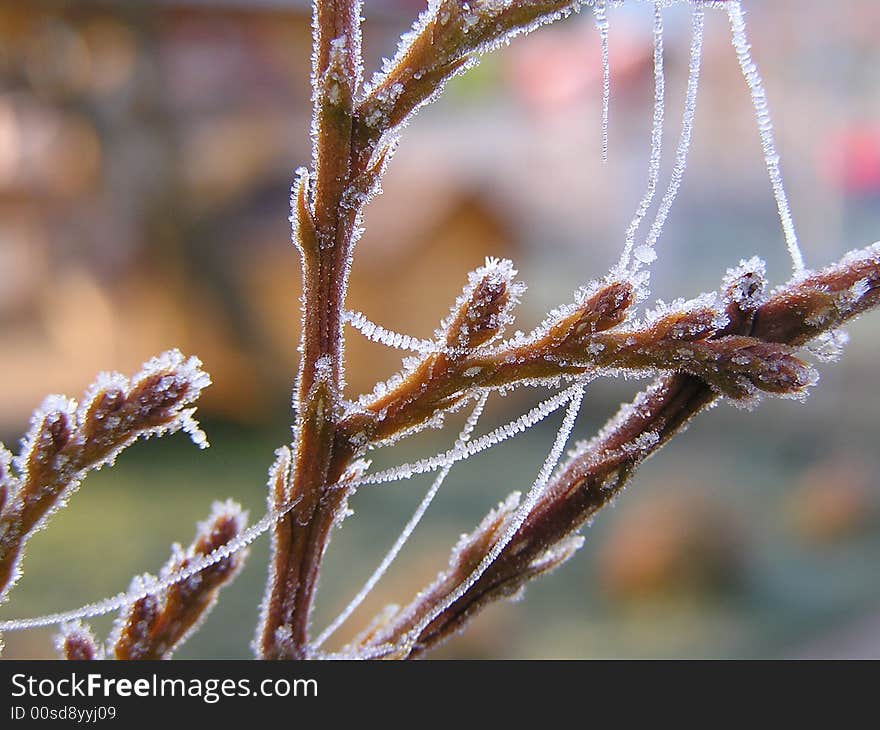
x: 466, y: 450
x: 120, y: 600
x: 379, y: 334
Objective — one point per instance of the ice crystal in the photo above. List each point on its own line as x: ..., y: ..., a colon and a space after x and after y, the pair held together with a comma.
x: 642, y: 254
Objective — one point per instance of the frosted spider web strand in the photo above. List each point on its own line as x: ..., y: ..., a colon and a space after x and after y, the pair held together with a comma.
x: 121, y: 600
x: 765, y: 128
x: 117, y: 602
x: 600, y: 11
x: 379, y: 334
x: 646, y: 254
x: 656, y: 141
x: 114, y: 603
x: 576, y: 396
x: 460, y: 453
x: 392, y: 554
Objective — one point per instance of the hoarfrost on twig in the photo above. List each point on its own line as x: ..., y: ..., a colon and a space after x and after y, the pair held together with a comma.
x: 459, y: 452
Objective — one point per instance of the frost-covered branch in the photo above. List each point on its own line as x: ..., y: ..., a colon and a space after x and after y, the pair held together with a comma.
x: 595, y: 335
x: 67, y: 440
x: 793, y: 315
x: 355, y: 133
x: 156, y: 625
x: 447, y: 38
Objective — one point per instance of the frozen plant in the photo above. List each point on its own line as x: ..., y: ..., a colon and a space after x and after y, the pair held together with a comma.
x: 736, y: 344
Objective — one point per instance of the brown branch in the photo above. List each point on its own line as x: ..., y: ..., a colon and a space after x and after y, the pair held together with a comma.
x: 325, y: 219
x: 443, y: 44
x: 592, y: 478
x: 67, y: 440
x: 585, y: 339
x: 353, y: 140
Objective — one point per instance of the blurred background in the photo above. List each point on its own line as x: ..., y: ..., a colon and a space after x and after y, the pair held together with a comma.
x: 146, y: 151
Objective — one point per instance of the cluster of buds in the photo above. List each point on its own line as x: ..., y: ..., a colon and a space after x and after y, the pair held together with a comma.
x: 67, y: 440
x: 154, y: 626
x: 593, y: 336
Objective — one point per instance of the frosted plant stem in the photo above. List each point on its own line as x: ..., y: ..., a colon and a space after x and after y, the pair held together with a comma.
x: 647, y: 253
x: 464, y: 451
x: 377, y: 333
x: 148, y: 588
x: 656, y: 141
x: 600, y: 10
x: 576, y: 396
x: 392, y: 554
x: 765, y: 128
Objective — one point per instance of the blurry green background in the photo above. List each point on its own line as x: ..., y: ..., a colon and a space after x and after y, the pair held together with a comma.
x: 146, y: 151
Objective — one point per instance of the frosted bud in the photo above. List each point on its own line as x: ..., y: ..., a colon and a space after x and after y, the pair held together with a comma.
x: 154, y: 626
x: 484, y: 308
x: 76, y: 642
x: 737, y: 366
x: 553, y: 557
x: 303, y: 230
x: 51, y: 428
x: 745, y: 286
x: 694, y: 324
x: 604, y: 309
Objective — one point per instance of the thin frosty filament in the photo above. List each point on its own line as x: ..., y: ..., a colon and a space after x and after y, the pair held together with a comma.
x: 121, y: 600
x: 656, y: 141
x: 576, y: 396
x: 765, y: 128
x: 464, y: 451
x: 647, y: 253
x: 379, y: 334
x: 392, y: 554
x: 600, y: 11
